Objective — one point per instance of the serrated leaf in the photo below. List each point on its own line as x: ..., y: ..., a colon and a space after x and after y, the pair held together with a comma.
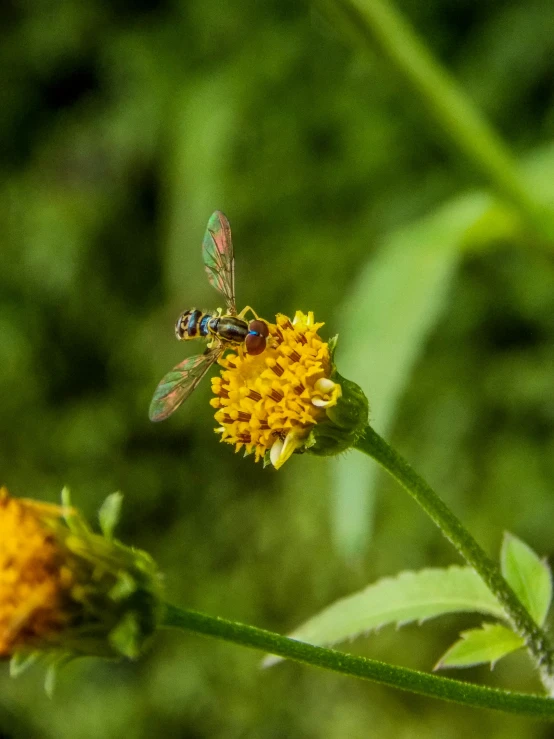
x: 410, y: 596
x: 109, y: 514
x: 477, y: 646
x: 529, y: 576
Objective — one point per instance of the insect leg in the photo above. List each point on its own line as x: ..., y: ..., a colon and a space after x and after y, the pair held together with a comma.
x: 245, y: 310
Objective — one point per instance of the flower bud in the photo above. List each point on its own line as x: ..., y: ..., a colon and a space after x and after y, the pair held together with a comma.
x: 344, y: 423
x: 65, y: 589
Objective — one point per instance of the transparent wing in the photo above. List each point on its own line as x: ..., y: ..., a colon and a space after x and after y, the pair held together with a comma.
x: 217, y: 251
x: 179, y: 383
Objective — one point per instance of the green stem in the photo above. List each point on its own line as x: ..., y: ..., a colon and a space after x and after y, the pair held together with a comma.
x: 378, y: 23
x: 535, y: 639
x: 367, y: 669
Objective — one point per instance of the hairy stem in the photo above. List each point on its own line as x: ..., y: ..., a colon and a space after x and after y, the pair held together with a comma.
x: 366, y: 669
x: 521, y: 622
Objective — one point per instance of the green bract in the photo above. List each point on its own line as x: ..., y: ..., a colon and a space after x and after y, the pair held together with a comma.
x: 345, y: 421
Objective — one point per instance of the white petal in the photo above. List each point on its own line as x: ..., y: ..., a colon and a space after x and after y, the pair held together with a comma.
x: 281, y: 451
x: 320, y: 402
x: 324, y: 385
x: 275, y: 451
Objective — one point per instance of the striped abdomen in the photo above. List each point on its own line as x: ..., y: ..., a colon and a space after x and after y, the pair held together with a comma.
x: 193, y: 324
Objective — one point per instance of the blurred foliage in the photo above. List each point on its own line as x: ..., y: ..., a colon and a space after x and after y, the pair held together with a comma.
x: 122, y: 127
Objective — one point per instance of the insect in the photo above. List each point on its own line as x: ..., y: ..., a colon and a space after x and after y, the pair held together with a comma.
x: 223, y: 330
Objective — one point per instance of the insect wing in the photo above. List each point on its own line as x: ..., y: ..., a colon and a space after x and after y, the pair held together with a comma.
x: 179, y: 383
x: 217, y: 251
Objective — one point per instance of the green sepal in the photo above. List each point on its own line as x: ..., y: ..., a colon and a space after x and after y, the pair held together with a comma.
x: 117, y: 602
x: 55, y: 664
x: 351, y: 412
x: 332, y: 344
x: 51, y: 660
x: 345, y: 421
x: 22, y: 661
x: 126, y: 638
x: 109, y: 514
x: 124, y: 586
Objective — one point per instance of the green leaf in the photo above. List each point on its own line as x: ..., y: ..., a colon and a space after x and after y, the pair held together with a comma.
x: 398, y: 311
x: 529, y: 576
x: 109, y: 514
x: 487, y: 644
x: 393, y: 306
x: 410, y: 596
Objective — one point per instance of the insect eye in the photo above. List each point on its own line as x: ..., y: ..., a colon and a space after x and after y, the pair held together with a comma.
x: 259, y: 327
x: 255, y: 343
x: 179, y: 327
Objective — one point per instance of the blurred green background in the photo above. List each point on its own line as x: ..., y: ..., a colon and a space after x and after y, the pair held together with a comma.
x: 122, y: 127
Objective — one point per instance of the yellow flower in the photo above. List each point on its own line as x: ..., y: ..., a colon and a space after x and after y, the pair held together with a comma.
x: 63, y: 587
x: 270, y: 402
x: 35, y: 583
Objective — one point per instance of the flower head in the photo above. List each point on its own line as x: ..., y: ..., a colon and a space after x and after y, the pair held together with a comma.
x: 34, y: 583
x: 65, y: 588
x: 271, y: 404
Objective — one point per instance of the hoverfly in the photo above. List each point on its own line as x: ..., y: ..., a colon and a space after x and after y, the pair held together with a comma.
x: 223, y: 330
